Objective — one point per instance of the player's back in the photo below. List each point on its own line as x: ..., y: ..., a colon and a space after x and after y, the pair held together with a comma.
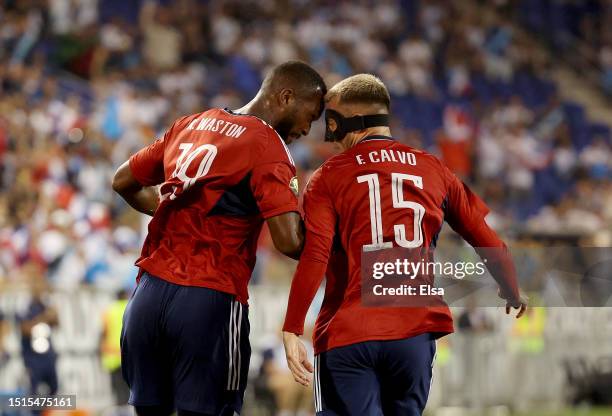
x: 385, y: 194
x: 389, y: 195
x: 220, y: 176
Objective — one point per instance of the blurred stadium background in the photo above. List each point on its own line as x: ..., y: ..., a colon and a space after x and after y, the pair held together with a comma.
x: 514, y: 95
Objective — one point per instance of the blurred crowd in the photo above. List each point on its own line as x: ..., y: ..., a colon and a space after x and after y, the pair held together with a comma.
x: 582, y: 28
x: 83, y: 84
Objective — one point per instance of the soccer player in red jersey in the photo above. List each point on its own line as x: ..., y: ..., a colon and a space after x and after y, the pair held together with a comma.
x: 376, y: 194
x: 221, y: 175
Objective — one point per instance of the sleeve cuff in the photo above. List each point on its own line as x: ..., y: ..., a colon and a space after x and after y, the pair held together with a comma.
x: 293, y: 328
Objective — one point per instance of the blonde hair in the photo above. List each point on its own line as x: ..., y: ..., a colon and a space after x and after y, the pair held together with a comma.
x: 360, y: 89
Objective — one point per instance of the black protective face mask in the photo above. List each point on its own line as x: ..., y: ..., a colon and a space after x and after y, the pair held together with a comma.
x: 346, y: 125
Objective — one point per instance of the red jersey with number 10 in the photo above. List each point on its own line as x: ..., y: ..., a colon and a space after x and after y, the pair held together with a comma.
x: 377, y: 194
x: 221, y: 174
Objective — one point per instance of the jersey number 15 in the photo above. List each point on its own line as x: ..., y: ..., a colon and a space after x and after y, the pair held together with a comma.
x: 397, y: 181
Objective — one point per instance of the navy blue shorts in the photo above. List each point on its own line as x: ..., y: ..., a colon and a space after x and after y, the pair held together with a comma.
x: 375, y: 378
x: 185, y: 348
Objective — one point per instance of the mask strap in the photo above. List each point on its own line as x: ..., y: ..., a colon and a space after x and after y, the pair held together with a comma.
x: 364, y: 122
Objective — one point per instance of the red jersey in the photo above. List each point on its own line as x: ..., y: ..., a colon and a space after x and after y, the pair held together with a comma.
x: 378, y: 194
x: 221, y: 174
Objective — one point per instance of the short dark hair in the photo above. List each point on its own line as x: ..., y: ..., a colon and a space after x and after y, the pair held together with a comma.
x: 361, y: 89
x: 299, y: 75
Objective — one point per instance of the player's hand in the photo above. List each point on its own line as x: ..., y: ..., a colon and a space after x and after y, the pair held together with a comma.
x: 520, y: 304
x: 297, y: 358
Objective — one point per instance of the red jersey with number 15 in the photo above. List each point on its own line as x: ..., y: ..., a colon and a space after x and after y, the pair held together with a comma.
x: 378, y: 194
x: 221, y: 175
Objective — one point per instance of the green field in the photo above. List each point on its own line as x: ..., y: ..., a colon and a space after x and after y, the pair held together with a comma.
x: 599, y: 411
x: 570, y: 412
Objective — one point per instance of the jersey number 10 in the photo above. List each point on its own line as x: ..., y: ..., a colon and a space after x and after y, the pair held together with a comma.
x: 397, y: 181
x: 206, y: 152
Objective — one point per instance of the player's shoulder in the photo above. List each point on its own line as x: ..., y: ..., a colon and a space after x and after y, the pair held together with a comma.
x: 421, y: 154
x: 254, y: 123
x: 271, y: 144
x: 191, y: 120
x: 337, y: 161
x: 347, y: 157
x: 330, y: 171
x: 315, y: 180
x: 264, y: 141
x: 232, y: 124
x: 200, y: 120
x: 424, y: 158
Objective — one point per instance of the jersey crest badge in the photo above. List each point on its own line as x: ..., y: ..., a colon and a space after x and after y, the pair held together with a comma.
x: 293, y: 184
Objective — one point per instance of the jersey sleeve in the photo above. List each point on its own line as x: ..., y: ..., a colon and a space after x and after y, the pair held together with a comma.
x: 320, y: 220
x: 273, y: 179
x: 147, y: 165
x: 464, y: 209
x: 465, y: 212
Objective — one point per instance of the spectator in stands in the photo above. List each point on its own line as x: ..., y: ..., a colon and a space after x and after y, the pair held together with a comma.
x: 162, y: 40
x: 528, y: 344
x: 3, y: 332
x: 455, y: 141
x: 564, y: 156
x: 596, y: 158
x: 36, y: 324
x: 61, y: 136
x: 473, y: 319
x: 291, y: 399
x: 417, y: 58
x: 473, y: 324
x: 110, y: 349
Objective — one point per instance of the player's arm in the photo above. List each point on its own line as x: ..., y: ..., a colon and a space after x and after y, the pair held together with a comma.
x: 3, y: 333
x: 135, y: 179
x: 320, y: 224
x: 278, y: 204
x: 274, y: 185
x: 465, y: 213
x: 141, y: 198
x: 287, y: 231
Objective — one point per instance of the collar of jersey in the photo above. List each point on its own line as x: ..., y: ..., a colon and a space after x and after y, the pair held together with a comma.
x: 227, y: 110
x: 233, y: 113
x: 376, y: 137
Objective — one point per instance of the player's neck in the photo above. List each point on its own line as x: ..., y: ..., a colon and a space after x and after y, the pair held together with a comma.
x: 353, y: 138
x: 257, y: 107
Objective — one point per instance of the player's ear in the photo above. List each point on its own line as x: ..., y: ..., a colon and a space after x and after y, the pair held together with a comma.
x: 331, y: 124
x: 286, y: 97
